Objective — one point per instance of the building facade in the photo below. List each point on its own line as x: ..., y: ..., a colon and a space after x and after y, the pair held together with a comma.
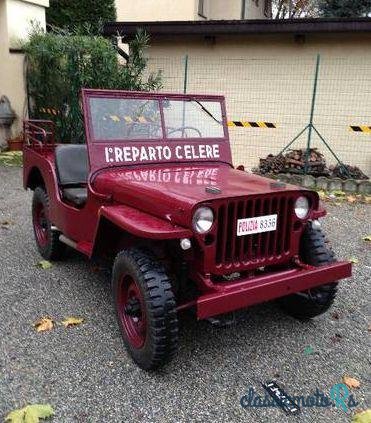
x: 191, y: 10
x: 266, y: 71
x: 16, y: 20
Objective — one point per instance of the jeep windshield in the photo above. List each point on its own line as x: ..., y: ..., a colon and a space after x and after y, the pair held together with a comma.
x: 138, y: 128
x: 140, y: 119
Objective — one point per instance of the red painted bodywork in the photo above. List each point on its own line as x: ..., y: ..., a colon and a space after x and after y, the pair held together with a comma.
x: 156, y: 202
x: 255, y: 290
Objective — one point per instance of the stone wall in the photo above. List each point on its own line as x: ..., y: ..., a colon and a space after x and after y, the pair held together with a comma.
x: 325, y: 184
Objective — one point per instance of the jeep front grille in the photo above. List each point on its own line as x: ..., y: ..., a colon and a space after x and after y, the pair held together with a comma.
x: 234, y: 251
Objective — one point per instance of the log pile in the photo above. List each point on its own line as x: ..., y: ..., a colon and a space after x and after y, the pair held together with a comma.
x: 294, y: 162
x: 353, y: 172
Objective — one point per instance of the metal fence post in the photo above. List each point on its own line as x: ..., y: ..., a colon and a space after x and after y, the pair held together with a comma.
x: 185, y: 74
x: 310, y: 127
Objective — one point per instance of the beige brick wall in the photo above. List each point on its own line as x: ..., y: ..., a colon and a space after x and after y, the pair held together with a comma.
x: 270, y: 78
x: 186, y: 10
x: 155, y: 10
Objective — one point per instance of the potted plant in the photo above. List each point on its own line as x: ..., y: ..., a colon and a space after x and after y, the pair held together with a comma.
x: 16, y: 144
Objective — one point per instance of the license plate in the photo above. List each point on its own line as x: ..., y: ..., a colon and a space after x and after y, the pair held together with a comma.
x: 256, y: 225
x: 281, y: 398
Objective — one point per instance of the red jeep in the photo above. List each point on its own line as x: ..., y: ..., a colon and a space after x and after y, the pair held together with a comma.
x: 155, y: 189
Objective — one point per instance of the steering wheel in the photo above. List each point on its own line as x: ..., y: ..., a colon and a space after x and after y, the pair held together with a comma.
x: 153, y: 129
x: 182, y: 129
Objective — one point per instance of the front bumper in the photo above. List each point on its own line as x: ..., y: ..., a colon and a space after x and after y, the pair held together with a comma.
x: 259, y: 289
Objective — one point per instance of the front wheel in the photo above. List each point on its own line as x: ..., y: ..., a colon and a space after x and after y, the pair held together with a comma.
x: 308, y: 304
x: 47, y: 239
x: 145, y: 308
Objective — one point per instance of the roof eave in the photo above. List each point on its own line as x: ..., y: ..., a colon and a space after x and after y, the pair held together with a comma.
x: 238, y: 27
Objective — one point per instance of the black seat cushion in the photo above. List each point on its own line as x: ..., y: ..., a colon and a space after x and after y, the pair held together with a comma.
x: 71, y: 162
x: 77, y: 196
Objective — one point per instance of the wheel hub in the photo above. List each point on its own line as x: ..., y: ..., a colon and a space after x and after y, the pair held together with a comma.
x: 132, y: 308
x: 40, y: 222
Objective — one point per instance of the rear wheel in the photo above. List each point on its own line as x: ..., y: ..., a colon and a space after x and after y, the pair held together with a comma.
x: 47, y: 239
x: 308, y: 304
x: 145, y: 308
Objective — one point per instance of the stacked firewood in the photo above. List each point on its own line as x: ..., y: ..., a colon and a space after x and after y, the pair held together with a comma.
x: 353, y: 172
x: 294, y: 162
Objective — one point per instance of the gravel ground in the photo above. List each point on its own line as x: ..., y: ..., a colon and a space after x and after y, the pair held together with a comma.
x: 86, y: 375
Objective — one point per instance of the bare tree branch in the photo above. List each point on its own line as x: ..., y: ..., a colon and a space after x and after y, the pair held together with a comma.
x: 289, y: 9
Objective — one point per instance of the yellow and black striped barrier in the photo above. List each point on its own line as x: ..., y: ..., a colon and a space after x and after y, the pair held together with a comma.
x: 129, y: 119
x: 235, y: 123
x: 239, y: 123
x: 362, y: 128
x: 49, y: 111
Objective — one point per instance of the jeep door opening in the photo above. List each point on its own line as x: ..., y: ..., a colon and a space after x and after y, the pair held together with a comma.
x: 154, y: 189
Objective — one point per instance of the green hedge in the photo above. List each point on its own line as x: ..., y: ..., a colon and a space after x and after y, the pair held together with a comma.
x: 81, y: 13
x: 60, y: 64
x: 344, y: 8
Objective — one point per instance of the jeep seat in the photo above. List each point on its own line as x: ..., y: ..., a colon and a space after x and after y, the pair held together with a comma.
x: 71, y: 162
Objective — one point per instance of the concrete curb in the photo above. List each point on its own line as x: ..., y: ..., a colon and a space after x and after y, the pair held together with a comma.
x: 326, y: 184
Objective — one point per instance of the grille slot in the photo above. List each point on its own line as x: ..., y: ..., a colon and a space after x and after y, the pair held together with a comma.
x: 257, y: 248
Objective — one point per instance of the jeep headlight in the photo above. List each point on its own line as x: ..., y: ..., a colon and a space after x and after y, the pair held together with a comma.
x: 302, y: 207
x: 203, y: 220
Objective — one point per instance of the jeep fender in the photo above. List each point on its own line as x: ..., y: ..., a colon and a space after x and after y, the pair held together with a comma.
x: 115, y: 221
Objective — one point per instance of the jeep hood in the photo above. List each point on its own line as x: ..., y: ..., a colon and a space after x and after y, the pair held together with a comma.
x: 172, y: 192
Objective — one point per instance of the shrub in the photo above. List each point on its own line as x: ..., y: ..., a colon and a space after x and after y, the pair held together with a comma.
x: 60, y: 64
x: 82, y: 13
x: 344, y: 8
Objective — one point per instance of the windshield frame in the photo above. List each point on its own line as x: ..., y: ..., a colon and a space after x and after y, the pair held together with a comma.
x: 160, y: 97
x: 102, y: 153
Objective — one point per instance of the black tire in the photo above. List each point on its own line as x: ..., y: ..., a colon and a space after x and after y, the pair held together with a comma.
x: 142, y: 291
x: 311, y: 303
x: 47, y: 240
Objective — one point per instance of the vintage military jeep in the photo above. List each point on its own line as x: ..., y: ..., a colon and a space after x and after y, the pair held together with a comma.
x: 155, y: 189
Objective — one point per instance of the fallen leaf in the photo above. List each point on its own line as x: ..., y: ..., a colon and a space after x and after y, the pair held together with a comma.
x: 30, y: 414
x: 16, y: 416
x: 362, y: 417
x: 322, y: 195
x: 36, y: 412
x: 339, y: 193
x: 367, y: 238
x: 308, y: 350
x: 335, y: 315
x: 351, y: 382
x: 44, y: 324
x: 44, y: 264
x: 367, y: 200
x: 7, y: 222
x: 351, y: 199
x: 95, y: 269
x: 336, y: 338
x: 354, y: 260
x: 72, y: 321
